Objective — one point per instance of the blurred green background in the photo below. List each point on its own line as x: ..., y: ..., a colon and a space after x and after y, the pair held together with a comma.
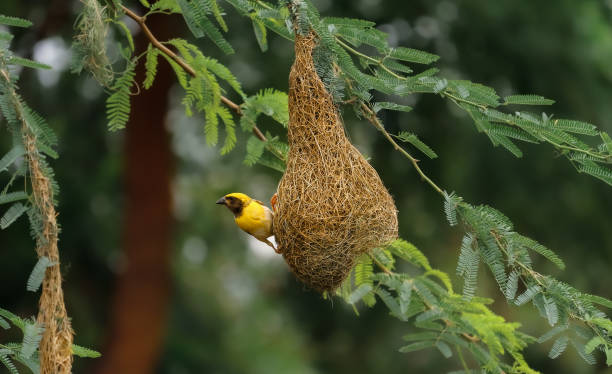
x: 233, y: 306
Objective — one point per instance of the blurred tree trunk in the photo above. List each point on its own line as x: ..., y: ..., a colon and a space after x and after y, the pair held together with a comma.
x: 140, y: 304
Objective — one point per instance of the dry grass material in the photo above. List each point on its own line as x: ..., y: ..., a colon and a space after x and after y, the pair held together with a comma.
x: 90, y: 42
x: 332, y: 205
x: 55, y: 349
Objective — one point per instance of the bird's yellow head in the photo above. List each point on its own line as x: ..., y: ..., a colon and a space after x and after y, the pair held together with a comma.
x: 235, y: 202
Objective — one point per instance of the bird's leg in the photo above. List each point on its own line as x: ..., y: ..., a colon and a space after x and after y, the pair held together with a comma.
x: 273, y: 201
x: 271, y: 245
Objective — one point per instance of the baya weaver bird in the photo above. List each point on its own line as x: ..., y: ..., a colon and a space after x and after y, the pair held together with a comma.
x: 251, y: 215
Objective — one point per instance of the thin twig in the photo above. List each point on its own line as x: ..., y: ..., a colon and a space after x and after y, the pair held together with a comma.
x: 386, y: 270
x: 380, y: 265
x: 371, y: 116
x: 380, y: 63
x: 157, y: 44
x: 532, y: 273
x: 460, y: 354
x: 457, y: 100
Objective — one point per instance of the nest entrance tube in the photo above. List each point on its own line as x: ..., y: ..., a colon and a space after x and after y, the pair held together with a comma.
x: 332, y: 205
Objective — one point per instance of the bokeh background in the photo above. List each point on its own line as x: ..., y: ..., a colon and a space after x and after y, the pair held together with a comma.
x: 159, y: 279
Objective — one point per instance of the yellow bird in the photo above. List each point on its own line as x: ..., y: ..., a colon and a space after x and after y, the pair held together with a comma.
x: 250, y: 215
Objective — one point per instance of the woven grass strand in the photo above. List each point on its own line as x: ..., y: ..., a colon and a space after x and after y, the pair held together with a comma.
x: 332, y: 205
x: 55, y: 349
x: 56, y: 344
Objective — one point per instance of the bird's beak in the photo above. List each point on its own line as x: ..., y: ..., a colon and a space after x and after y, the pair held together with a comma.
x: 221, y: 201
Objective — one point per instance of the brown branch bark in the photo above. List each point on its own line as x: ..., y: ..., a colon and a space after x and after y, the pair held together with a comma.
x: 156, y: 43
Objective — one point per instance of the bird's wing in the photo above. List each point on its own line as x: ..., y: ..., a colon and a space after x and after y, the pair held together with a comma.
x: 266, y: 209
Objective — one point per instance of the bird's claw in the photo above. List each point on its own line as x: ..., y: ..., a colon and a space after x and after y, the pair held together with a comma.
x: 273, y: 202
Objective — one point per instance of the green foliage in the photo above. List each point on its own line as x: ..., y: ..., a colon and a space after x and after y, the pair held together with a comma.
x: 558, y: 347
x: 181, y: 76
x: 89, y: 44
x: 363, y: 270
x: 450, y: 207
x: 273, y: 104
x: 254, y: 150
x: 411, y: 55
x: 203, y: 92
x: 32, y: 334
x: 445, y: 320
x: 11, y: 156
x: 28, y: 63
x: 14, y: 21
x: 118, y: 103
x: 356, y: 64
x: 408, y: 252
x: 527, y: 100
x: 383, y: 72
x: 170, y: 6
x: 273, y: 161
x: 196, y: 14
x: 12, y: 196
x: 228, y: 121
x: 260, y: 34
x: 491, y: 239
x: 467, y: 266
x: 150, y: 66
x: 390, y: 106
x: 4, y: 324
x: 598, y: 300
x: 577, y: 127
x: 417, y: 143
x: 15, y: 320
x: 29, y: 127
x: 265, y: 16
x: 528, y: 295
x: 358, y: 293
x: 24, y: 352
x: 607, y: 142
x: 22, y: 119
x: 269, y: 102
x: 597, y: 171
x: 11, y: 215
x: 128, y: 35
x: 539, y: 248
x: 38, y: 273
x: 6, y: 361
x: 79, y: 351
x: 511, y: 285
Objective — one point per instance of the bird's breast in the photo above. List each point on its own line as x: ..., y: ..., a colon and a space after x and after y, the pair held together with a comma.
x: 256, y: 220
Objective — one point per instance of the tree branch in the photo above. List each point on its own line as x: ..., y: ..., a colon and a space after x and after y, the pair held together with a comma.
x: 471, y: 338
x: 371, y: 116
x: 157, y: 44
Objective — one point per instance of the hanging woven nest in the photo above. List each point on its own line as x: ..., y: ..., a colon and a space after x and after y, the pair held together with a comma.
x: 332, y: 205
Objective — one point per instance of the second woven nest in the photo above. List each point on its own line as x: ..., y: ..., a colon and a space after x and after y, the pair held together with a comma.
x: 332, y: 205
